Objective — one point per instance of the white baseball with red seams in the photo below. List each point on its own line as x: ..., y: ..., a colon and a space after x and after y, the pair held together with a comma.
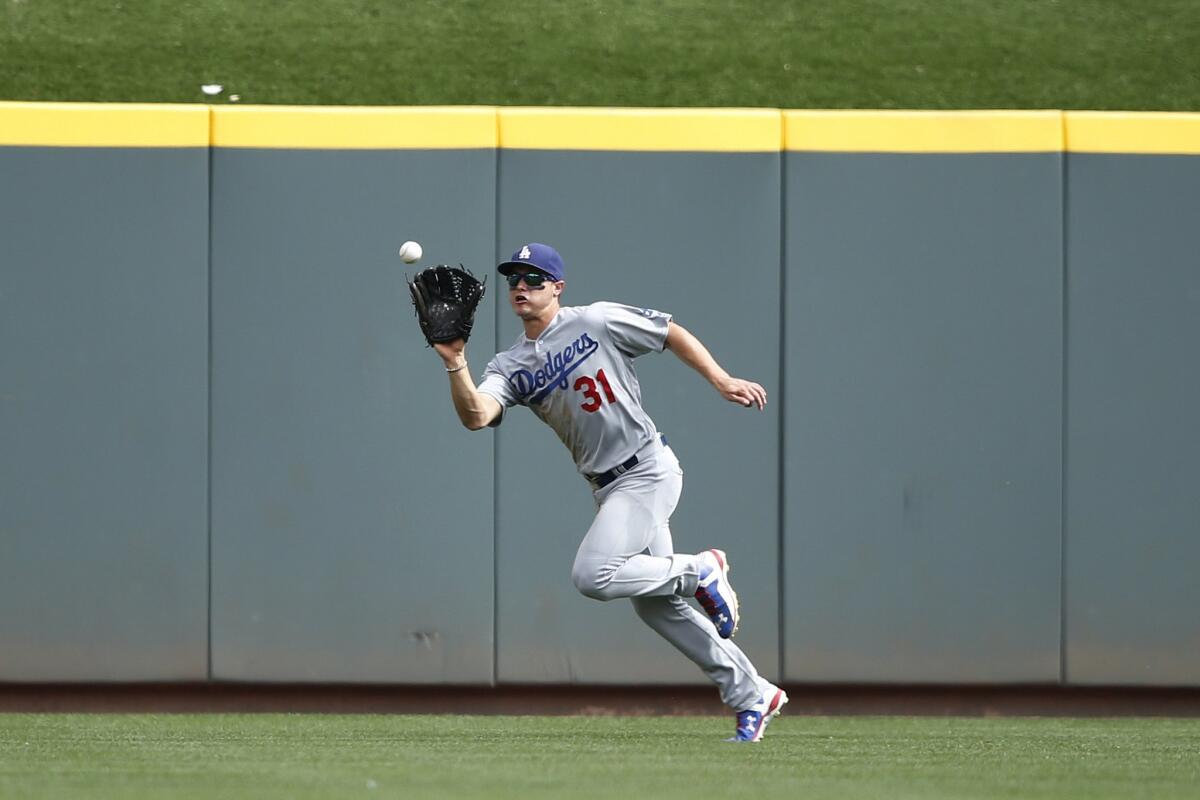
x: 410, y: 252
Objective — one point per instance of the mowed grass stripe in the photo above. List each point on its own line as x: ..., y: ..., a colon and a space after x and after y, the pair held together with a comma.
x: 268, y: 756
x: 928, y: 54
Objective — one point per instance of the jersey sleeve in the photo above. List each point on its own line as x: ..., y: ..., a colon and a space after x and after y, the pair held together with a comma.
x: 496, y: 385
x: 636, y: 331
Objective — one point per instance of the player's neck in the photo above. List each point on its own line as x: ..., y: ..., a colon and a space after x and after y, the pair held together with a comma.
x: 536, y: 326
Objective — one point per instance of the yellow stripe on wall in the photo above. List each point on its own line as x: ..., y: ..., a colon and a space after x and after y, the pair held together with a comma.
x: 1127, y: 132
x: 103, y: 125
x: 355, y: 128
x: 924, y: 131
x: 619, y: 129
x: 641, y: 129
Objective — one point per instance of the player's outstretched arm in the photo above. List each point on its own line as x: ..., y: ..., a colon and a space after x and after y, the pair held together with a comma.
x: 475, y: 409
x: 692, y: 352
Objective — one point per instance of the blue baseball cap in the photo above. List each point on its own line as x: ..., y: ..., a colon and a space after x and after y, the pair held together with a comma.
x: 538, y: 256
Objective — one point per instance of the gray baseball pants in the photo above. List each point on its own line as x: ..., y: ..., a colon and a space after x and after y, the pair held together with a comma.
x: 628, y: 552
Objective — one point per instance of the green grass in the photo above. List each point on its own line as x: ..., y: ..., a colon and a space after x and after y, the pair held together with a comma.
x: 1100, y: 54
x: 300, y: 756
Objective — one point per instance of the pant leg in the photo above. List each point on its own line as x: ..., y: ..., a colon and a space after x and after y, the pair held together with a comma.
x: 694, y: 635
x: 614, y: 558
x: 628, y: 552
x: 738, y: 682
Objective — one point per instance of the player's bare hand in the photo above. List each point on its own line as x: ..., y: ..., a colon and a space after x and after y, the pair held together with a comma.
x: 744, y: 393
x: 452, y: 352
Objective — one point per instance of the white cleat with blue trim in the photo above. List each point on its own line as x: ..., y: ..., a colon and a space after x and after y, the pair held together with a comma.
x: 716, y: 596
x: 752, y: 723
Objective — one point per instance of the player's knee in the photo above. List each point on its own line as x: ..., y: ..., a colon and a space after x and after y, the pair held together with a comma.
x: 591, y: 582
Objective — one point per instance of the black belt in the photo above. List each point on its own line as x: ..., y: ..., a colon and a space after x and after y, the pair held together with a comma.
x: 602, y: 479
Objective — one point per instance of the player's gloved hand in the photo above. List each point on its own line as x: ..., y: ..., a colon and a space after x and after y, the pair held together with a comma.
x: 445, y: 299
x: 744, y: 393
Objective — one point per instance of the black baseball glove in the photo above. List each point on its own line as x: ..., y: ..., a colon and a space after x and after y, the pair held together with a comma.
x: 445, y: 299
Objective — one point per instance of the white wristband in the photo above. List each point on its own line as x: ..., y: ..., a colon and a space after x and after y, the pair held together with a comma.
x: 457, y: 369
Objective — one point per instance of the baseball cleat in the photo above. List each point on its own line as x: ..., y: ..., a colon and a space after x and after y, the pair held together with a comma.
x: 716, y: 596
x: 752, y: 723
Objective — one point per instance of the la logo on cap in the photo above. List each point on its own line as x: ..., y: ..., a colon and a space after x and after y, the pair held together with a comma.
x: 524, y: 252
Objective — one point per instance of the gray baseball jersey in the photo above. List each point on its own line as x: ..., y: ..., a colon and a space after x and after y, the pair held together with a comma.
x: 578, y: 378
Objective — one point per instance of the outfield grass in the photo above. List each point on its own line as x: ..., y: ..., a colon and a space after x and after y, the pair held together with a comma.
x: 1100, y: 54
x: 301, y: 756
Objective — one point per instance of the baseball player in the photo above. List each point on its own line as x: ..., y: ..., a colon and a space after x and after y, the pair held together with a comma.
x: 573, y: 368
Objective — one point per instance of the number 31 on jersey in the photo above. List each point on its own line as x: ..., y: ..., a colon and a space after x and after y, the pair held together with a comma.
x: 592, y: 398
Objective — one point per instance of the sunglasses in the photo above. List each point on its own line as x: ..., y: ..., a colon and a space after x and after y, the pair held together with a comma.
x: 533, y: 280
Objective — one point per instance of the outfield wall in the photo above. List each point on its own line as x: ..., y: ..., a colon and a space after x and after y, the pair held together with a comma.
x: 103, y: 392
x: 225, y: 452
x: 922, y: 398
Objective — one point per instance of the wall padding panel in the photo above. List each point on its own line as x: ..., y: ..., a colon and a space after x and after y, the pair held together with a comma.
x: 1133, y: 388
x: 339, y: 553
x: 692, y: 233
x: 103, y: 399
x: 923, y: 456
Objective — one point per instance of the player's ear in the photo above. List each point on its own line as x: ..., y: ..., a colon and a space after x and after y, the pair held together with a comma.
x: 558, y: 287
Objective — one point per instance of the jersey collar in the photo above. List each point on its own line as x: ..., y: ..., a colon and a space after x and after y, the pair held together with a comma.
x: 546, y: 330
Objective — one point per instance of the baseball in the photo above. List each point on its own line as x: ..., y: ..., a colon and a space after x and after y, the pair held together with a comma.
x: 410, y: 252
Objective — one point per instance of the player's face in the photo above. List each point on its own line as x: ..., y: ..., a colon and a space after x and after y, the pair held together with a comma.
x: 531, y: 294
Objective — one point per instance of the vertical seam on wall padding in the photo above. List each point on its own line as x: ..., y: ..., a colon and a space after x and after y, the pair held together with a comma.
x: 781, y: 404
x: 1062, y: 518
x: 495, y: 432
x: 209, y: 454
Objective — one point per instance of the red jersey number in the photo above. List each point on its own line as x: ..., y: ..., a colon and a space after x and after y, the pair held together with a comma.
x: 593, y: 400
